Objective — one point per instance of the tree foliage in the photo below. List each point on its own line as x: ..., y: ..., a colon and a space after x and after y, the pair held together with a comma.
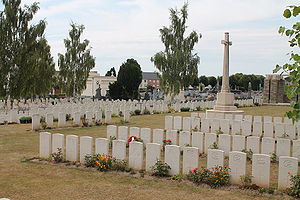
x: 26, y: 65
x: 111, y: 72
x: 128, y: 81
x: 293, y: 67
x: 76, y: 64
x: 177, y: 64
x: 212, y: 81
x: 203, y: 80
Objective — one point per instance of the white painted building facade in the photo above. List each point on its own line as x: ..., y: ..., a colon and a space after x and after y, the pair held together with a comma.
x: 94, y: 81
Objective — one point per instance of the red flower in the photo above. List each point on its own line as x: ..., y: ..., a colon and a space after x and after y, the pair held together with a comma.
x: 132, y: 138
x: 289, y: 173
x: 194, y: 170
x: 169, y: 140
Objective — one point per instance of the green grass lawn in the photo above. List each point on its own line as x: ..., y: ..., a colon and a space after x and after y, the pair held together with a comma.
x: 27, y: 180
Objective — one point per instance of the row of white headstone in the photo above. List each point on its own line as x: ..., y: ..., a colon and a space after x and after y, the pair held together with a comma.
x: 172, y: 156
x: 90, y: 119
x: 233, y: 127
x: 205, y: 141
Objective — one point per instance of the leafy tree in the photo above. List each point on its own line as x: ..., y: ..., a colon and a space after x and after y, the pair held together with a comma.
x: 128, y: 81
x: 196, y: 82
x: 203, y: 80
x: 111, y: 72
x: 177, y: 64
x: 77, y: 62
x: 293, y: 67
x: 26, y: 65
x: 212, y: 81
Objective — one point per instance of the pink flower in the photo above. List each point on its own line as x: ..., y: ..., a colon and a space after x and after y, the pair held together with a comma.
x: 169, y: 140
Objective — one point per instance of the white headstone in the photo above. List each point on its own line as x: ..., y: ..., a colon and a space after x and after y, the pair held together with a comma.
x: 296, y: 149
x: 238, y: 142
x: 253, y: 144
x: 225, y: 126
x: 215, y: 158
x: 177, y: 123
x: 123, y: 133
x: 111, y: 131
x: 268, y: 146
x: 146, y: 135
x: 209, y: 139
x: 102, y: 146
x: 49, y: 119
x: 61, y: 119
x: 257, y: 129
x: 134, y: 131
x: 279, y: 130
x: 152, y: 155
x: 261, y: 170
x: 283, y: 147
x: 225, y: 143
x: 190, y: 159
x: 198, y: 140
x: 45, y: 144
x: 236, y: 127
x: 168, y: 122
x: 184, y: 138
x: 136, y: 155
x: 246, y: 127
x: 85, y: 147
x: 58, y: 142
x: 108, y: 116
x: 158, y: 136
x: 36, y: 122
x: 172, y: 158
x: 72, y: 148
x: 268, y: 130
x: 172, y: 135
x: 287, y: 166
x: 237, y: 166
x: 119, y: 149
x: 186, y: 124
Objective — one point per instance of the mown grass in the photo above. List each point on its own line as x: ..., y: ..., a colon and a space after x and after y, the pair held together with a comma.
x: 27, y: 180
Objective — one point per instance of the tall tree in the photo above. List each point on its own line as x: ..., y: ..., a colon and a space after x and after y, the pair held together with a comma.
x: 177, y: 64
x: 111, y: 72
x: 77, y: 62
x: 212, y: 81
x: 128, y: 81
x: 293, y: 67
x: 203, y: 80
x: 26, y: 65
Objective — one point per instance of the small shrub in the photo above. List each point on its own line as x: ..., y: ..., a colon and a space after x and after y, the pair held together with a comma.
x: 237, y: 105
x: 119, y: 165
x: 216, y: 177
x: 122, y: 121
x: 219, y: 132
x: 160, y: 169
x: 58, y: 156
x: 178, y: 177
x: 248, y: 153
x: 294, y: 191
x: 90, y: 160
x: 68, y: 117
x: 214, y: 146
x: 25, y: 120
x: 198, y: 176
x: 146, y: 112
x: 114, y: 115
x: 274, y: 158
x: 55, y: 119
x: 185, y: 109
x: 167, y: 142
x: 44, y: 125
x: 246, y: 181
x: 85, y: 122
x: 137, y: 112
x: 142, y: 173
x: 256, y: 104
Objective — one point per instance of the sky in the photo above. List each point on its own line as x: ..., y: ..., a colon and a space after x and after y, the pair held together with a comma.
x: 123, y: 29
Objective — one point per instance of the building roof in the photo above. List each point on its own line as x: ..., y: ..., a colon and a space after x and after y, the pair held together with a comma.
x: 150, y: 76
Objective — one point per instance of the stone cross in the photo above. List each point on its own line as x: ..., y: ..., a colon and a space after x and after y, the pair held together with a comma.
x: 225, y: 78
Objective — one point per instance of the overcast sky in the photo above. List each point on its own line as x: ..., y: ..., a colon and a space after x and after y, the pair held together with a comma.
x: 122, y: 29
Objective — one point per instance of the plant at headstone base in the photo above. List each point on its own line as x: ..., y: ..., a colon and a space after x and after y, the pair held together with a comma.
x: 44, y: 125
x: 68, y: 117
x: 103, y: 163
x: 219, y: 132
x: 90, y: 160
x: 111, y: 139
x: 295, y: 189
x: 214, y: 146
x: 198, y: 176
x: 256, y: 104
x: 274, y: 158
x: 195, y: 128
x: 160, y: 169
x: 58, y: 156
x: 218, y: 176
x: 25, y: 120
x: 246, y: 181
x: 114, y: 115
x: 121, y: 114
x: 122, y: 121
x: 177, y: 64
x: 137, y: 112
x: 85, y: 122
x: 55, y: 119
x: 292, y: 68
x: 146, y: 112
x: 167, y: 142
x: 249, y: 154
x: 98, y: 122
x: 119, y: 165
x: 142, y: 173
x: 285, y: 135
x: 178, y: 177
x: 237, y: 105
x: 185, y: 109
